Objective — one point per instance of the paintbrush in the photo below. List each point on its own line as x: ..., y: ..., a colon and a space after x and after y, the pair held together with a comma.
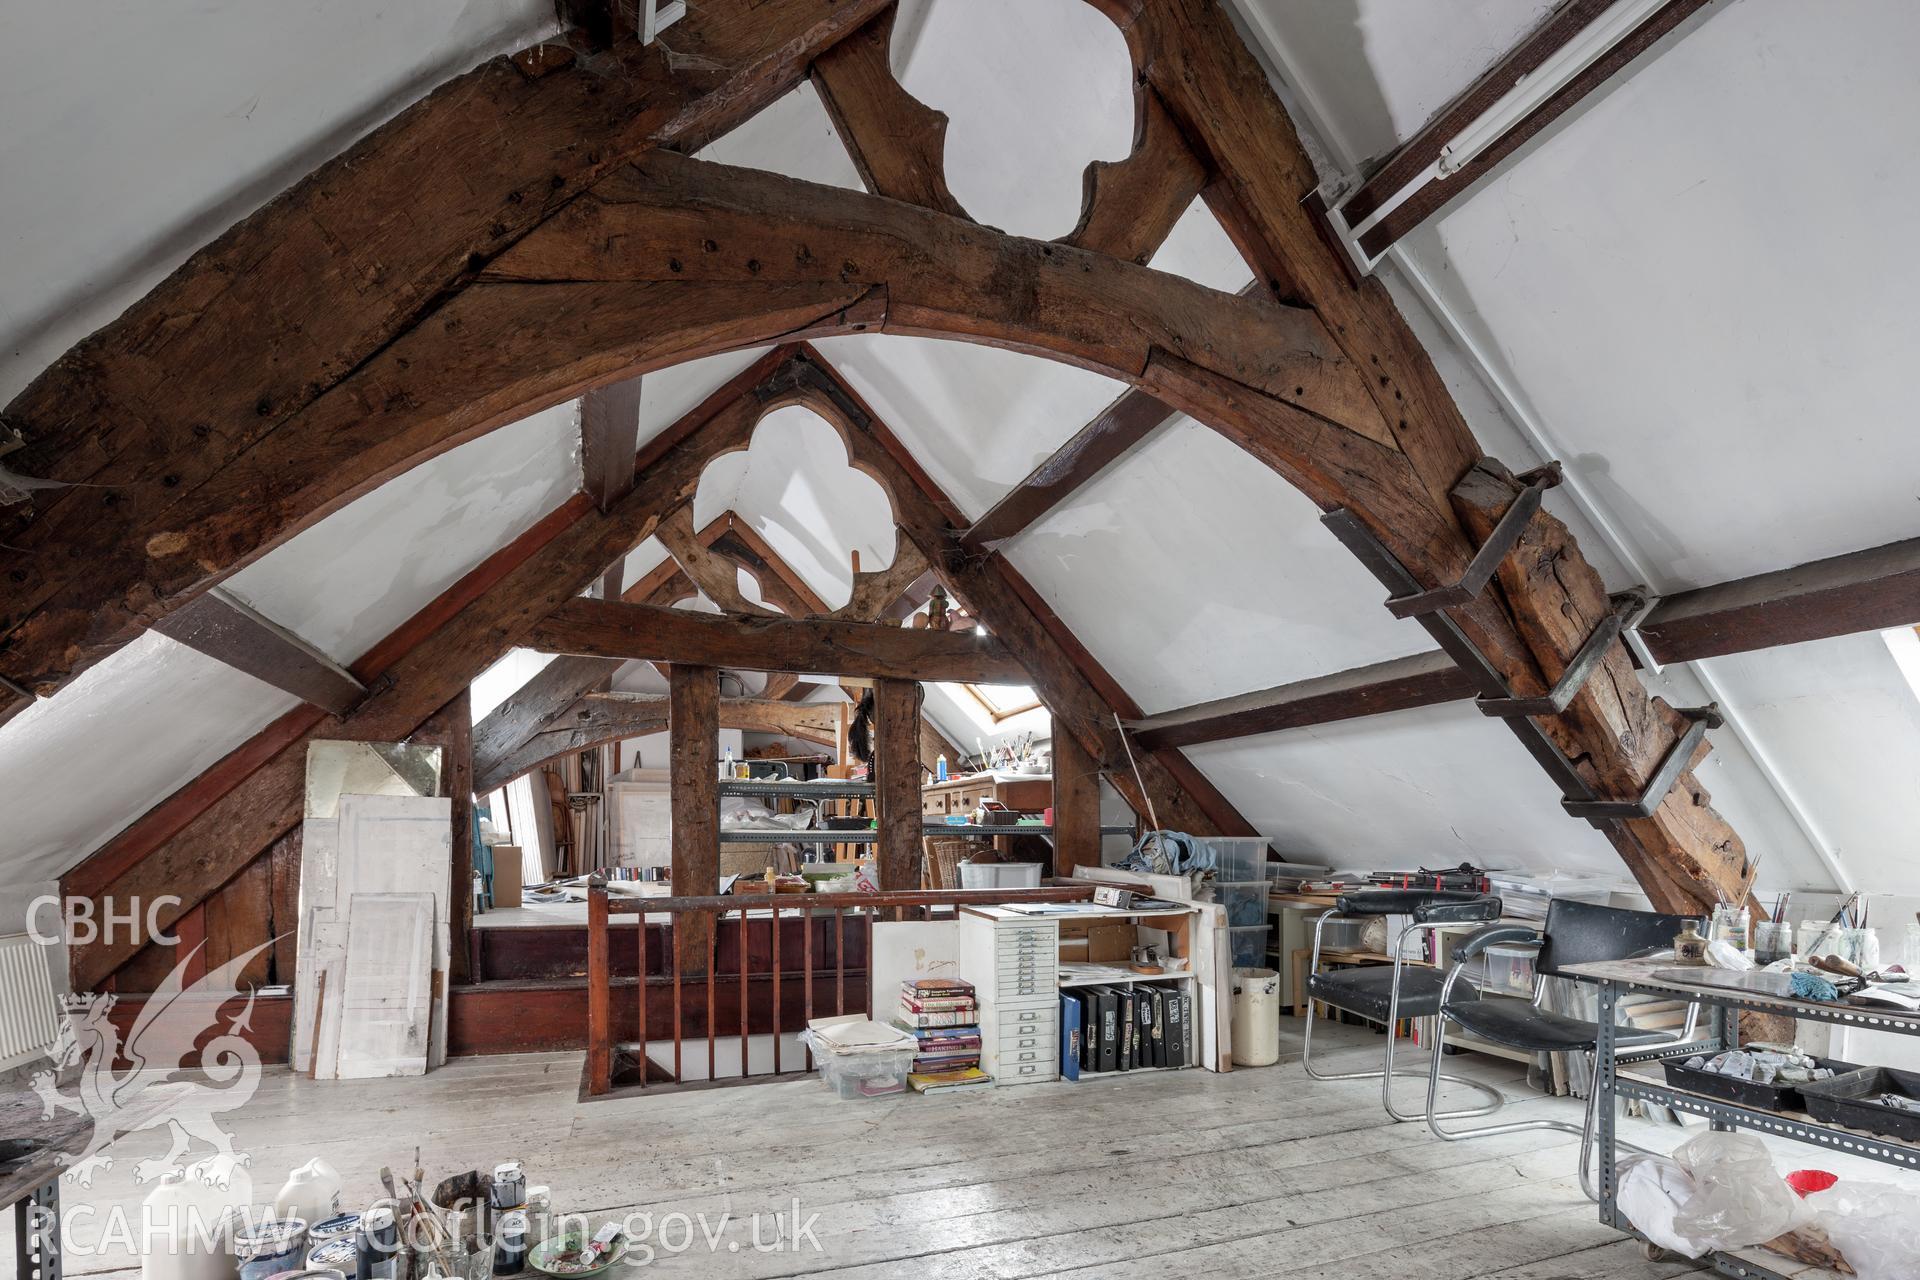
x: 435, y: 1228
x: 1834, y: 923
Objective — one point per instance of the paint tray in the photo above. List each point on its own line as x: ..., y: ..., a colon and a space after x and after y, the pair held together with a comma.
x: 1853, y: 1100
x: 1745, y: 1093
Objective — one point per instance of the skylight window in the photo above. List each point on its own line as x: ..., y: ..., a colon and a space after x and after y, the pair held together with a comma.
x: 1004, y: 701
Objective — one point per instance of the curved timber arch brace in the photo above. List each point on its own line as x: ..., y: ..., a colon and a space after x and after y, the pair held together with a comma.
x: 635, y: 266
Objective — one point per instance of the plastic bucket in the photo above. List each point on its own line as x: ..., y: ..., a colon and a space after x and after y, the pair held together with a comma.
x: 1256, y: 1017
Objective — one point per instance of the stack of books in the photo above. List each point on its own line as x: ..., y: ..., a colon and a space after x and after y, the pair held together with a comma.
x: 943, y: 1015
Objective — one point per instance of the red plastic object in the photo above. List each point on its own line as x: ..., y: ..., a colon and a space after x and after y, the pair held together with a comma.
x: 1807, y: 1181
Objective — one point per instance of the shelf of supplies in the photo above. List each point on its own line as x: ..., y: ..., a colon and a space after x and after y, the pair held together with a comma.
x: 1865, y: 1017
x: 866, y: 835
x: 1622, y: 976
x: 1782, y: 1124
x: 812, y: 835
x: 1127, y: 981
x: 837, y: 789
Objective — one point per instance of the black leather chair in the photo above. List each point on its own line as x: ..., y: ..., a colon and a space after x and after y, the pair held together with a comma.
x: 1575, y: 933
x: 1388, y: 993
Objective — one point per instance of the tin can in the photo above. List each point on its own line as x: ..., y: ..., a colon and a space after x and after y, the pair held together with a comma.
x: 339, y: 1254
x: 377, y: 1245
x: 270, y: 1247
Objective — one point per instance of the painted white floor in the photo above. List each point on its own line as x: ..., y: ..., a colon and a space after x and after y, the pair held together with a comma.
x: 1259, y: 1172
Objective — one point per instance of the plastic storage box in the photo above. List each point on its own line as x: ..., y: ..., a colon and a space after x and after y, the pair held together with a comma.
x: 999, y: 875
x: 1246, y: 904
x: 1510, y: 970
x: 1345, y: 933
x: 865, y: 1075
x: 1249, y: 946
x: 1238, y: 859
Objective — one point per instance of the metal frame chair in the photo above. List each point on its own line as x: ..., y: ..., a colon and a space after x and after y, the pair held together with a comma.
x: 1575, y: 933
x: 1410, y: 992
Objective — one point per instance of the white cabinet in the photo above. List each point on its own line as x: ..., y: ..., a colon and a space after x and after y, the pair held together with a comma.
x: 1013, y: 962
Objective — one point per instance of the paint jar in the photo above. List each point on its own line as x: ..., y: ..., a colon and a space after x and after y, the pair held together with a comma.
x: 1858, y: 947
x: 510, y: 1244
x: 1730, y: 926
x: 1689, y: 947
x: 509, y: 1190
x: 1772, y: 941
x: 539, y: 1214
x: 1817, y: 938
x: 340, y: 1227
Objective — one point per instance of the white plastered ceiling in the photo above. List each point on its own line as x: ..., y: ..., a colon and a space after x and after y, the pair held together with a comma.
x: 1691, y: 294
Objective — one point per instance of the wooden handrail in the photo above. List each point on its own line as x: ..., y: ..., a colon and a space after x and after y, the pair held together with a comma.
x: 838, y: 907
x: 882, y: 898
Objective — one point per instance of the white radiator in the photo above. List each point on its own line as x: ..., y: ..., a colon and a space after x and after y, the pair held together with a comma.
x: 29, y: 1015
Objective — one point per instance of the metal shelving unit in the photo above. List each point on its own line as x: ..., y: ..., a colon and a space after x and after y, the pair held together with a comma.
x: 1615, y: 979
x: 774, y: 788
x: 857, y: 835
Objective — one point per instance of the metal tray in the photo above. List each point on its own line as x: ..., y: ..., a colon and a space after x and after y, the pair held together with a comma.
x: 1850, y: 1100
x: 1761, y: 1097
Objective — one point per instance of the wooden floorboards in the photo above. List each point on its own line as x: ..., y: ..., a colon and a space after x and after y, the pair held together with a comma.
x: 1254, y: 1173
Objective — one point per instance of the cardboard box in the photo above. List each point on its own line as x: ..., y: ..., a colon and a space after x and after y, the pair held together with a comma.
x: 506, y: 876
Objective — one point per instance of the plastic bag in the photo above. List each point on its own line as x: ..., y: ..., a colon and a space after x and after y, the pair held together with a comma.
x: 1739, y: 1198
x: 1871, y: 1224
x: 1651, y: 1191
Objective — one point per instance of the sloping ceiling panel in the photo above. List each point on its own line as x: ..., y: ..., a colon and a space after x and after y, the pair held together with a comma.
x: 135, y: 727
x: 353, y: 578
x: 1193, y: 572
x: 1424, y: 788
x: 126, y: 734
x: 1034, y: 91
x: 138, y: 132
x: 1723, y: 228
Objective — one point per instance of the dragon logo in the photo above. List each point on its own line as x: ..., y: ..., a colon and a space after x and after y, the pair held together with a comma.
x: 171, y: 1078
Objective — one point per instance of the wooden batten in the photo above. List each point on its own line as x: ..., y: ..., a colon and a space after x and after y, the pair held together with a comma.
x: 230, y: 631
x: 609, y: 439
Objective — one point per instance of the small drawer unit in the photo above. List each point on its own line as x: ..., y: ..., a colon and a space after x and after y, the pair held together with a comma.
x: 1013, y: 962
